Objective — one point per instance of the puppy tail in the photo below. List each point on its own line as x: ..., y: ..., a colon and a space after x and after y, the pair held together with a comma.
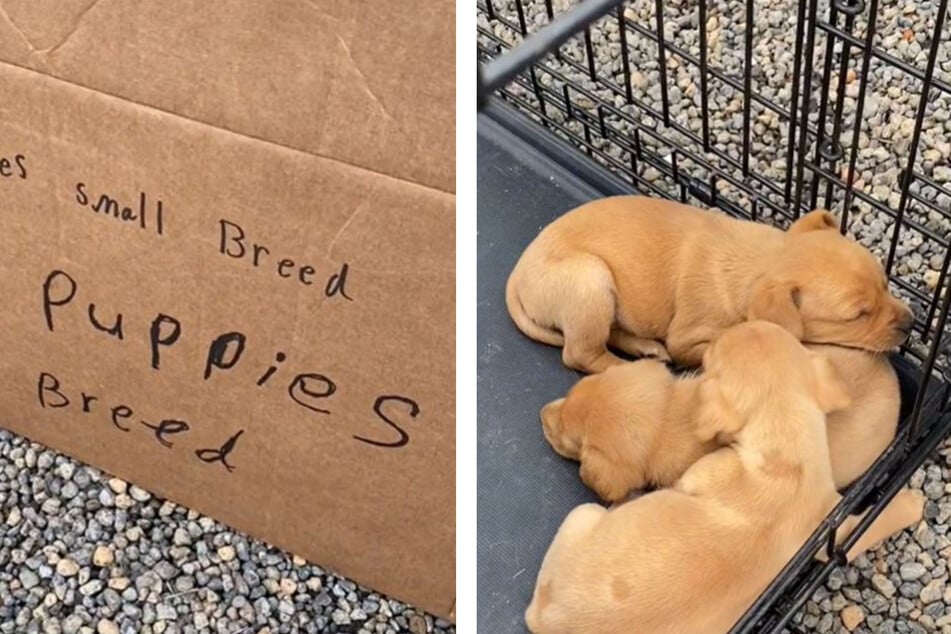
x: 525, y: 323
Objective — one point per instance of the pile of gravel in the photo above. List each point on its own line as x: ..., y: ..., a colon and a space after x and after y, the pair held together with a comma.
x: 82, y: 553
x: 903, y: 586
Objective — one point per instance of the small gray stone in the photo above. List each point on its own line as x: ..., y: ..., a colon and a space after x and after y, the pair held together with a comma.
x: 884, y: 585
x: 340, y: 617
x: 181, y: 537
x: 66, y: 567
x: 932, y: 592
x: 165, y: 570
x: 28, y: 578
x: 90, y: 588
x: 912, y: 571
x: 106, y: 497
x: 934, y: 490
x: 72, y: 623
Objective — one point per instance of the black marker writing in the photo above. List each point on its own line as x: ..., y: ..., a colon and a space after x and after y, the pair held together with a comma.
x: 220, y: 455
x: 87, y: 401
x: 7, y: 167
x: 337, y: 283
x: 156, y: 338
x: 218, y: 351
x: 271, y: 370
x: 121, y: 411
x: 234, y: 243
x: 115, y: 329
x: 299, y: 385
x: 378, y: 408
x: 167, y: 427
x: 63, y: 297
x: 106, y: 205
x: 48, y: 385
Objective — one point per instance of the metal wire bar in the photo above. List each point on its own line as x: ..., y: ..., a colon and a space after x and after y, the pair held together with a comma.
x: 933, y: 352
x: 704, y: 97
x: 520, y: 12
x: 756, y: 179
x: 505, y: 68
x: 860, y: 104
x: 625, y: 56
x: 916, y: 134
x: 835, y: 152
x: 589, y: 53
x: 662, y: 61
x: 794, y: 102
x: 885, y: 57
x: 823, y: 104
x: 807, y: 92
x: 747, y: 85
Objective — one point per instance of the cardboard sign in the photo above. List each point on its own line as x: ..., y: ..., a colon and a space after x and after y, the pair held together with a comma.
x: 260, y: 332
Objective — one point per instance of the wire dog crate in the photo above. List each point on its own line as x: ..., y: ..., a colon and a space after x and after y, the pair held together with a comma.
x: 840, y: 104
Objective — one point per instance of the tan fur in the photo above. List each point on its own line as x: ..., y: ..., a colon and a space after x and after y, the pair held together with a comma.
x: 730, y: 523
x: 653, y: 277
x: 637, y: 425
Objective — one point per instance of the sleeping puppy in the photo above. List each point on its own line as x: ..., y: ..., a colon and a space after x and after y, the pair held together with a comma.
x: 657, y: 278
x: 726, y: 528
x: 637, y: 425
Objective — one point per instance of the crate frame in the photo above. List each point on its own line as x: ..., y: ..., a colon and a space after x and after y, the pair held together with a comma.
x: 511, y: 92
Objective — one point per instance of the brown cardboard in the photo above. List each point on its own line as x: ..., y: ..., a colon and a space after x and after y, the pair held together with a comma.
x: 297, y: 152
x: 368, y: 83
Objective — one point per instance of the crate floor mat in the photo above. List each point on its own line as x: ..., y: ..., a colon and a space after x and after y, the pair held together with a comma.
x: 525, y: 489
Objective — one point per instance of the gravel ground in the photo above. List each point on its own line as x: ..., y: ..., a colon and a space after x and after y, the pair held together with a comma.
x: 904, y: 585
x: 83, y: 553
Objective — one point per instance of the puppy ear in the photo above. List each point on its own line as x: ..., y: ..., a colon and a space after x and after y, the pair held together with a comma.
x: 601, y: 475
x: 833, y: 395
x: 777, y: 302
x: 551, y: 414
x: 715, y: 418
x: 565, y: 444
x: 814, y: 220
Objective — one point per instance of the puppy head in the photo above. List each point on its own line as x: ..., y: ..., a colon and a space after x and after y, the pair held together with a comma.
x: 593, y: 409
x: 568, y: 436
x: 607, y: 420
x: 826, y: 288
x: 756, y: 361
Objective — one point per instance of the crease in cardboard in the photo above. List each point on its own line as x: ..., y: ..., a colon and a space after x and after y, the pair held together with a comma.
x: 363, y: 79
x: 16, y: 29
x: 44, y: 54
x: 79, y: 20
x: 244, y: 135
x: 320, y: 11
x: 363, y: 204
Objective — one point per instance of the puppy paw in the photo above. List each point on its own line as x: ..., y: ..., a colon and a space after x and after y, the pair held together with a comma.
x: 650, y: 349
x: 913, y: 504
x: 639, y: 347
x: 657, y: 351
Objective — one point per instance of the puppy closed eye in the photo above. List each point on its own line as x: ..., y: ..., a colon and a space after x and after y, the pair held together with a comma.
x: 862, y: 314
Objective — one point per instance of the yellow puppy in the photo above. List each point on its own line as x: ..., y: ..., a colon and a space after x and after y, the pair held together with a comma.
x: 636, y: 425
x: 727, y: 527
x: 657, y: 278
